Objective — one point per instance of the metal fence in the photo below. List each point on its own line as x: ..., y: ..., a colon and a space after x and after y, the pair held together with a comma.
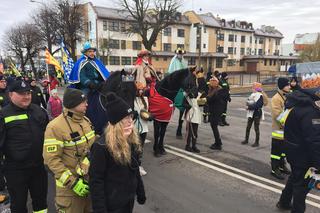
x: 243, y: 79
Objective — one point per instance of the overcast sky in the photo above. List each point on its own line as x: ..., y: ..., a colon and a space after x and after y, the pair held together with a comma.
x: 288, y: 16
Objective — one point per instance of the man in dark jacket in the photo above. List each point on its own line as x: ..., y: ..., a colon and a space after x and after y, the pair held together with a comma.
x: 302, y: 146
x: 22, y: 127
x: 225, y: 85
x: 37, y: 96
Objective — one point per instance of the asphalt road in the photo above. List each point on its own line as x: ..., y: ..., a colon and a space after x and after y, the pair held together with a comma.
x: 236, y: 179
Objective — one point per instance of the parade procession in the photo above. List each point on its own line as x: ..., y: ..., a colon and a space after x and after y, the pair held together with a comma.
x: 147, y: 107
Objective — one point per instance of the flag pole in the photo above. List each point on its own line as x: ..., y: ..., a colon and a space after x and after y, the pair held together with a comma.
x: 48, y: 76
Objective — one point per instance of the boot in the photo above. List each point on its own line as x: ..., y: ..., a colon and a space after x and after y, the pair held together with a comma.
x: 284, y: 207
x: 162, y: 151
x: 215, y: 146
x: 188, y: 148
x: 256, y: 144
x: 156, y: 151
x: 275, y: 171
x: 244, y: 142
x: 223, y: 120
x: 194, y: 147
x: 283, y: 167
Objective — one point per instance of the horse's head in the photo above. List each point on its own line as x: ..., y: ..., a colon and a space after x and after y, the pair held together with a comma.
x: 171, y: 84
x: 123, y: 84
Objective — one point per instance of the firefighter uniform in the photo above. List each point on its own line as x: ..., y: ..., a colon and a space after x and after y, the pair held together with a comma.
x: 68, y: 139
x: 225, y: 85
x: 21, y: 143
x: 277, y: 151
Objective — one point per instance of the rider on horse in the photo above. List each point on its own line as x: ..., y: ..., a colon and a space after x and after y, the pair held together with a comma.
x: 88, y: 72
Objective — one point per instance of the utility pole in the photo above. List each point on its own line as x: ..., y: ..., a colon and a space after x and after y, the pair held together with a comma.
x: 199, y: 42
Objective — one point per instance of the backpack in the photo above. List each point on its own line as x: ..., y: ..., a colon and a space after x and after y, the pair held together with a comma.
x: 265, y: 98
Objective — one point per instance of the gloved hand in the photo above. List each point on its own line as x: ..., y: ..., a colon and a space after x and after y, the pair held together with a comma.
x: 141, y: 199
x: 81, y: 188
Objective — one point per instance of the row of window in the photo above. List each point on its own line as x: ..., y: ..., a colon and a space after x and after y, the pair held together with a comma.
x: 167, y: 32
x: 115, y: 44
x: 273, y: 62
x: 115, y: 60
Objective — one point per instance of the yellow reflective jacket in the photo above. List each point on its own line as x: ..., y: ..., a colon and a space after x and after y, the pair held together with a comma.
x: 277, y: 107
x: 68, y: 139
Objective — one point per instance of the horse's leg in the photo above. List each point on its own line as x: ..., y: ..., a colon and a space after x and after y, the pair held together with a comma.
x: 163, y: 129
x: 156, y: 131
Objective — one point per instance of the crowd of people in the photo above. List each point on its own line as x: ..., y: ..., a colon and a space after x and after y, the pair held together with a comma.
x: 101, y: 171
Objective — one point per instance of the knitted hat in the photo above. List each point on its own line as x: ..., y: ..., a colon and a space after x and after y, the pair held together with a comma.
x: 72, y: 98
x: 282, y: 83
x: 116, y: 108
x: 257, y: 86
x: 87, y: 46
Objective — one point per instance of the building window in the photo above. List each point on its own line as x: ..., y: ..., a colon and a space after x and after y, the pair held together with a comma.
x: 90, y: 26
x: 157, y: 58
x: 270, y: 62
x: 105, y: 25
x: 198, y: 42
x: 181, y: 46
x: 134, y: 59
x: 167, y: 47
x: 167, y: 31
x: 204, y: 30
x: 250, y: 39
x: 241, y: 63
x: 243, y: 39
x: 114, y: 26
x: 242, y: 51
x: 204, y: 46
x: 136, y: 45
x: 123, y: 45
x: 219, y: 62
x: 274, y: 62
x: 125, y: 60
x: 165, y: 59
x: 231, y: 37
x: 277, y: 41
x: 230, y: 50
x: 231, y: 62
x: 220, y: 37
x: 235, y: 50
x: 220, y: 49
x: 260, y: 52
x: 181, y: 33
x: 261, y: 41
x: 114, y: 44
x: 123, y: 27
x: 104, y: 60
x: 265, y: 62
x: 114, y: 60
x: 255, y: 41
x: 192, y: 61
x: 235, y: 38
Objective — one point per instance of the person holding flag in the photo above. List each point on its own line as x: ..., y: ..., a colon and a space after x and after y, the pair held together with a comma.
x: 88, y: 72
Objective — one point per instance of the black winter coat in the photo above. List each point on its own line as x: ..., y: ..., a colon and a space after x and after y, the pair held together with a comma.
x: 302, y: 129
x: 112, y: 186
x: 4, y: 99
x: 216, y: 104
x: 22, y: 136
x: 37, y: 97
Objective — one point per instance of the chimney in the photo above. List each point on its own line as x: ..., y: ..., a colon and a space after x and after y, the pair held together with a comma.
x: 223, y: 21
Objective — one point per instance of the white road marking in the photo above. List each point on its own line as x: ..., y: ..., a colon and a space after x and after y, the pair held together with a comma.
x: 186, y: 155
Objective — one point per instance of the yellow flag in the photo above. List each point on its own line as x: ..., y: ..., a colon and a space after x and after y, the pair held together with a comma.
x: 51, y: 60
x: 14, y: 69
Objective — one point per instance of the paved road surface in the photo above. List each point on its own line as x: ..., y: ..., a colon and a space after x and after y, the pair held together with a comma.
x: 235, y: 179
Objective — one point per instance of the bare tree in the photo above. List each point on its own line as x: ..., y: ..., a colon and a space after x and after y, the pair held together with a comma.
x: 32, y: 43
x: 311, y: 53
x: 150, y: 17
x: 13, y: 41
x: 70, y: 23
x: 46, y: 20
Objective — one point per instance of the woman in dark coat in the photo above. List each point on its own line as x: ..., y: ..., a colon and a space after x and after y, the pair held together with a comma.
x: 115, y: 179
x: 215, y: 100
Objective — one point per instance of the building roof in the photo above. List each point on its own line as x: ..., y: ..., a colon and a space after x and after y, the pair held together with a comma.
x: 191, y: 54
x: 307, y: 38
x: 112, y: 13
x: 209, y: 20
x: 268, y: 31
x: 120, y: 14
